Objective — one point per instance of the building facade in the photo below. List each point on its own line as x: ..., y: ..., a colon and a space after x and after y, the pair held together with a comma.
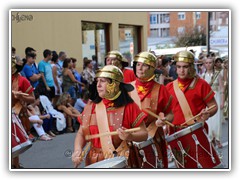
x: 170, y: 24
x: 79, y: 33
x: 182, y: 22
x: 218, y: 19
x: 164, y: 28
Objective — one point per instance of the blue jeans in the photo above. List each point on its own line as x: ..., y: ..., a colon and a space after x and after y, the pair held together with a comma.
x: 72, y: 92
x: 48, y: 124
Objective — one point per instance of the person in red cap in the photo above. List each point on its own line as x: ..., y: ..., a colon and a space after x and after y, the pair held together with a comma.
x: 116, y: 58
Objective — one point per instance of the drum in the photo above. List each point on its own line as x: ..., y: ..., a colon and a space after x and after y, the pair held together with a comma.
x: 20, y: 139
x: 149, y: 155
x: 116, y: 162
x: 191, y: 148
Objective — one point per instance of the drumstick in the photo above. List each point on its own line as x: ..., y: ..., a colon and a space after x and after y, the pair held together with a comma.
x: 84, y: 152
x: 156, y: 116
x: 199, y: 114
x: 87, y: 137
x: 20, y: 93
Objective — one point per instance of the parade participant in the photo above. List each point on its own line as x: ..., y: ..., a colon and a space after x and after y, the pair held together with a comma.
x: 226, y: 88
x: 116, y: 58
x: 200, y: 65
x: 215, y: 80
x: 191, y: 96
x: 20, y: 101
x: 219, y: 67
x: 154, y: 96
x: 111, y: 109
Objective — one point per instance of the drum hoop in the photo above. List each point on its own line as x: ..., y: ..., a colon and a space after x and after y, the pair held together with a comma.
x: 144, y: 144
x: 123, y: 162
x: 21, y: 148
x: 219, y: 166
x: 184, y: 132
x: 22, y: 145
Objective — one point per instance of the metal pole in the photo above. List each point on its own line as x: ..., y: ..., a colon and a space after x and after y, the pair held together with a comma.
x: 208, y: 32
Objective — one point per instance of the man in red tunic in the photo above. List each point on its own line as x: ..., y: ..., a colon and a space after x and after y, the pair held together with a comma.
x: 191, y: 96
x: 198, y: 93
x: 111, y: 109
x: 116, y: 58
x: 19, y: 101
x: 154, y: 96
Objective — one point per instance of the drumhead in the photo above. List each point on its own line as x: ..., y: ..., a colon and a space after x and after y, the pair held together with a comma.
x: 116, y: 162
x: 21, y: 148
x: 143, y: 144
x: 184, y: 132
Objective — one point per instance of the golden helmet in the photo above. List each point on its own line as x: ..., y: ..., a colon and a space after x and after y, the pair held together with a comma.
x: 110, y: 71
x: 184, y: 56
x: 117, y: 55
x: 147, y: 58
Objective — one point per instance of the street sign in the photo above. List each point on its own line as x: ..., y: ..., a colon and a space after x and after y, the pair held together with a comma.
x: 219, y: 41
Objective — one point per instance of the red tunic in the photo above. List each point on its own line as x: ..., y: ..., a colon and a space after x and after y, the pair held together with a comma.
x: 144, y: 90
x: 132, y: 117
x: 197, y: 97
x: 23, y: 84
x: 20, y: 83
x: 128, y: 75
x: 156, y: 97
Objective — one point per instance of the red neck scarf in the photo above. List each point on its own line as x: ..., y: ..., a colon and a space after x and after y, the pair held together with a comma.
x: 108, y: 103
x: 184, y: 83
x: 144, y: 88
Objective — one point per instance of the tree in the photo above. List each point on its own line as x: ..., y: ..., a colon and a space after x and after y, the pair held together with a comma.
x: 192, y: 37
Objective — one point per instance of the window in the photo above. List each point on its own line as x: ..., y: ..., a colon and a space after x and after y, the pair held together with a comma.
x: 198, y: 15
x: 181, y: 30
x: 129, y: 35
x: 94, y: 42
x: 165, y: 32
x: 153, y: 19
x: 181, y: 16
x: 154, y: 32
x: 167, y: 18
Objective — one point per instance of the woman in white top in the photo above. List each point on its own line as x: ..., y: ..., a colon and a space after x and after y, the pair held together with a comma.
x: 215, y: 79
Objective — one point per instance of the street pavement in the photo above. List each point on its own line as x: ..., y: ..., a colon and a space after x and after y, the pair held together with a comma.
x: 57, y: 153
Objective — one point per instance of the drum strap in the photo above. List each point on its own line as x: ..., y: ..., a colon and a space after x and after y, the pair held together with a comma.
x: 183, y: 102
x: 134, y: 95
x: 152, y: 104
x: 103, y: 127
x: 152, y: 128
x: 18, y: 106
x: 86, y: 118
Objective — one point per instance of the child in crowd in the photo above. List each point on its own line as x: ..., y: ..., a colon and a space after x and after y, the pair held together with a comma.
x: 41, y: 122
